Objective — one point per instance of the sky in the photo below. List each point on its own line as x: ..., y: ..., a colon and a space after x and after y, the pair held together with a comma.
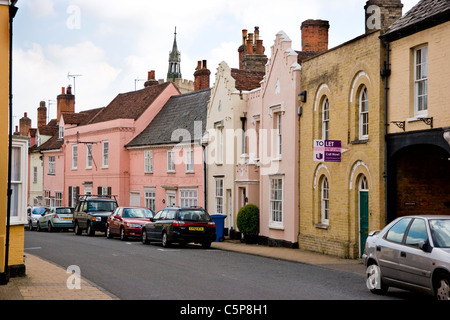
x: 106, y: 47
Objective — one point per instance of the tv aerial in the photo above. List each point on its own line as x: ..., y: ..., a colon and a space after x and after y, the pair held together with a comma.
x: 73, y: 76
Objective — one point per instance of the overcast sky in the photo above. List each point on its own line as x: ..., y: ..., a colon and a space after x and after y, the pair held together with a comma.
x: 108, y: 44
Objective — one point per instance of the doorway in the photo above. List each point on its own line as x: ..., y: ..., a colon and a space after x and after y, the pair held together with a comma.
x: 363, y: 213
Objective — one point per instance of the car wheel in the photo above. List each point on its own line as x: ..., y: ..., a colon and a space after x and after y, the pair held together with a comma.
x: 90, y: 231
x: 77, y: 229
x: 144, y: 238
x: 30, y: 226
x: 38, y: 227
x: 206, y: 245
x: 50, y: 228
x: 123, y: 237
x: 374, y: 282
x: 165, y: 240
x: 443, y: 287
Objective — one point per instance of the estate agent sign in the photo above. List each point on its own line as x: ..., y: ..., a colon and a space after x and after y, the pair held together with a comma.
x: 327, y: 150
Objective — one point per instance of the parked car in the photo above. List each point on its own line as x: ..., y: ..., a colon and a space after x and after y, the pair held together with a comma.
x: 411, y: 253
x: 127, y: 222
x: 180, y: 225
x: 91, y: 213
x: 33, y: 215
x: 56, y: 218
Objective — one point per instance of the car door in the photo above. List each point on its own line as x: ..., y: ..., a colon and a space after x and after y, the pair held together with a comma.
x: 154, y: 227
x: 414, y: 262
x: 114, y: 222
x: 45, y: 217
x: 389, y: 247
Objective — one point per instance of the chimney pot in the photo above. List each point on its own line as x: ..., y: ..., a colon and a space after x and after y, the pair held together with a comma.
x: 63, y: 90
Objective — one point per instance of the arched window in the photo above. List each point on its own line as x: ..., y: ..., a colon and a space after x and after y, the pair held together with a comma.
x: 325, y: 119
x: 364, y: 114
x: 325, y: 201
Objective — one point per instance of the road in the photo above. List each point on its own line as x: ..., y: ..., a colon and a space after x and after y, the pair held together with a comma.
x: 133, y: 271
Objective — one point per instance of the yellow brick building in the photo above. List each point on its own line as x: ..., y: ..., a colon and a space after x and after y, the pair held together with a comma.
x: 418, y: 139
x: 11, y: 261
x: 341, y: 200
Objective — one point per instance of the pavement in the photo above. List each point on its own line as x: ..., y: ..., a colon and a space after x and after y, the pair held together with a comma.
x: 55, y: 282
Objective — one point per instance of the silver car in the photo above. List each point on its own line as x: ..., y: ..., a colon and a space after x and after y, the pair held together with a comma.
x: 56, y: 218
x: 412, y: 253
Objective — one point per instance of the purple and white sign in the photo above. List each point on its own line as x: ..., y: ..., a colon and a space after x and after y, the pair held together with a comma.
x: 327, y: 150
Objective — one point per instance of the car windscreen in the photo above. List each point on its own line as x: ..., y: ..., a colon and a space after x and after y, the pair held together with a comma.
x: 101, y: 206
x: 194, y: 215
x: 64, y: 210
x: 440, y: 232
x: 137, y: 213
x: 38, y: 210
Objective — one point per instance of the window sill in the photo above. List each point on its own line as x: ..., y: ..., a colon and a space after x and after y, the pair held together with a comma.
x: 276, y: 226
x: 322, y: 226
x: 360, y: 141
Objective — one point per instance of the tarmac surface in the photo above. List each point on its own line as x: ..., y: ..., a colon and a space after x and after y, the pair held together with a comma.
x: 53, y: 283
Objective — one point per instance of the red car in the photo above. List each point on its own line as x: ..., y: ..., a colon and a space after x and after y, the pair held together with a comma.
x: 127, y: 222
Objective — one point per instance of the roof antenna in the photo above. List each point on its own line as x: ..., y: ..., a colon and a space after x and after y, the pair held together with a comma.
x: 73, y: 76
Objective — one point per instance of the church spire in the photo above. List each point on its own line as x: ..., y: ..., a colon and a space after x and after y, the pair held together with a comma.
x: 174, y: 61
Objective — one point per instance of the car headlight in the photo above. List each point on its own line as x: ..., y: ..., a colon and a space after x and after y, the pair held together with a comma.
x: 96, y: 218
x: 134, y: 225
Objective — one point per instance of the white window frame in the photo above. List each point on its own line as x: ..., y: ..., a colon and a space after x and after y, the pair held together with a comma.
x: 74, y: 157
x: 19, y: 176
x: 189, y: 156
x: 105, y: 154
x: 325, y: 201
x: 58, y: 199
x: 61, y: 132
x: 150, y: 198
x: 89, y: 156
x: 47, y: 198
x: 219, y: 196
x: 276, y: 201
x: 220, y: 145
x: 188, y: 197
x: 326, y: 119
x: 148, y: 161
x: 421, y: 78
x: 51, y: 165
x: 364, y: 114
x: 170, y: 161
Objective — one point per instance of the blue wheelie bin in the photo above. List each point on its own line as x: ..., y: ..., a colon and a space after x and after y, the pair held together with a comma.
x: 219, y: 220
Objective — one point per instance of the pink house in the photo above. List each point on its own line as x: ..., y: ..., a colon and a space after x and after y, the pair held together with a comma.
x: 96, y: 161
x: 166, y: 159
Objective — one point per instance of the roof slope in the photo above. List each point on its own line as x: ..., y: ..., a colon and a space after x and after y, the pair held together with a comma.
x: 247, y: 80
x: 186, y: 112
x: 425, y: 14
x: 130, y: 105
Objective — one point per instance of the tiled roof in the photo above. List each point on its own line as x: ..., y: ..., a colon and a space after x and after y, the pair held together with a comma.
x: 50, y: 129
x: 130, y: 105
x: 425, y: 14
x: 186, y: 112
x: 247, y: 80
x: 54, y: 143
x: 82, y: 117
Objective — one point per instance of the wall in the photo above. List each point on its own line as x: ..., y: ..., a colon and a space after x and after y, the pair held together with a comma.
x: 339, y: 74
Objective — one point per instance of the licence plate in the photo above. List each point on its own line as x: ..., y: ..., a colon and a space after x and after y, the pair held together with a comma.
x: 67, y: 218
x: 196, y: 228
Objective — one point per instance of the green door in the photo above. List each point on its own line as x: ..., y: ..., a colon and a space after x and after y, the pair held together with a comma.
x: 363, y: 219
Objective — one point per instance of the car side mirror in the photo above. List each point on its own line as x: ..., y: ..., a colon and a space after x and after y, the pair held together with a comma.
x: 425, y: 246
x: 152, y: 219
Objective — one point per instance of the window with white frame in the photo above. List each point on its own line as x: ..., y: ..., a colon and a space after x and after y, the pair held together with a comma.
x: 89, y: 156
x: 276, y: 201
x: 325, y: 201
x: 148, y: 161
x: 51, y: 165
x: 19, y: 174
x: 326, y: 119
x: 170, y: 161
x: 219, y: 196
x: 188, y: 197
x: 150, y: 198
x: 219, y: 145
x: 105, y: 154
x: 58, y: 199
x: 189, y: 160
x: 364, y: 114
x: 61, y: 132
x: 421, y: 80
x: 47, y: 197
x: 74, y: 156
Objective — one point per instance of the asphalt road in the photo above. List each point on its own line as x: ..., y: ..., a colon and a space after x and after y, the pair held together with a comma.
x: 133, y: 271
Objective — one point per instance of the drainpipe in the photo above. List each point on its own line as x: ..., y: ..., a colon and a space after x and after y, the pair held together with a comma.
x: 12, y: 13
x: 386, y: 73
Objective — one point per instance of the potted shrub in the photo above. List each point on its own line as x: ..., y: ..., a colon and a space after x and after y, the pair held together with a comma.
x: 248, y: 223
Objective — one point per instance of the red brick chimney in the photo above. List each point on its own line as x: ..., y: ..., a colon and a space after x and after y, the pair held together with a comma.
x: 151, y: 79
x: 65, y: 102
x: 42, y: 115
x: 201, y: 76
x: 251, y: 52
x: 24, y: 125
x: 315, y: 35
